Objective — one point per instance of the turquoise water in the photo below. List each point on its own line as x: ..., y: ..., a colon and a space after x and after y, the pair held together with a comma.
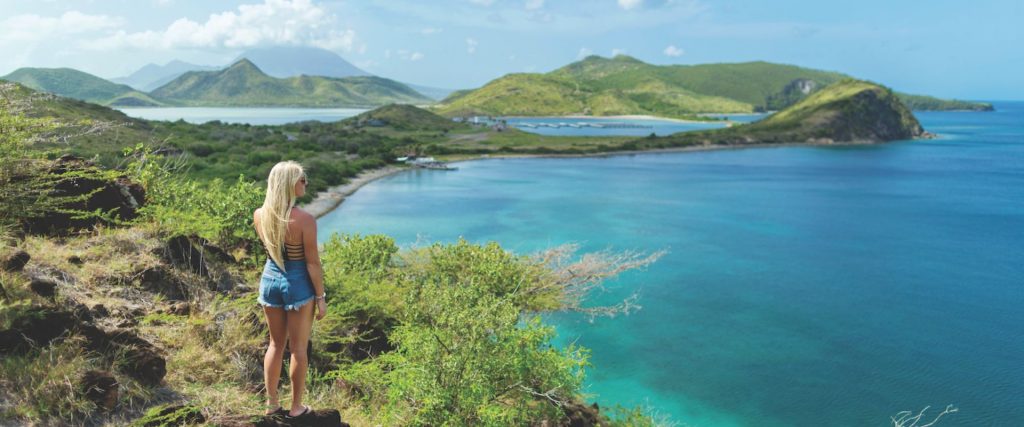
x: 804, y: 286
x: 253, y: 116
x: 586, y: 126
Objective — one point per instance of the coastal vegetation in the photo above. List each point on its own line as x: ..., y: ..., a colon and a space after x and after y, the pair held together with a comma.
x: 624, y: 85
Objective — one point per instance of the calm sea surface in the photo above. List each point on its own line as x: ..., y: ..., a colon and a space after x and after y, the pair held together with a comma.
x: 804, y: 286
x: 253, y: 116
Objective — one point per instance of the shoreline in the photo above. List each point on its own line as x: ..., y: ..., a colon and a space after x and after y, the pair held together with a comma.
x: 329, y: 200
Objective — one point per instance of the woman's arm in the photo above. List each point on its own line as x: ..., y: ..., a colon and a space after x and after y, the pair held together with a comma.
x: 316, y: 271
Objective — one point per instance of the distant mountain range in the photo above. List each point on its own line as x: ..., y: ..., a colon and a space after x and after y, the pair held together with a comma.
x: 624, y: 85
x: 593, y: 86
x: 153, y: 76
x: 280, y: 62
x: 243, y: 84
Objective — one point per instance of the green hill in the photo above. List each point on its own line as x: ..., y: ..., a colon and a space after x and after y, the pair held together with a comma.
x: 846, y: 111
x: 624, y: 85
x: 403, y: 117
x: 76, y: 84
x: 243, y: 84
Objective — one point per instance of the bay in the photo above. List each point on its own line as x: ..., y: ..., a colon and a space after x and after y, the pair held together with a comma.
x: 252, y: 116
x: 803, y: 286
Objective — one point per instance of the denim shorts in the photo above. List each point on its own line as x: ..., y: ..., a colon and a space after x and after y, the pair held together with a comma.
x: 289, y: 289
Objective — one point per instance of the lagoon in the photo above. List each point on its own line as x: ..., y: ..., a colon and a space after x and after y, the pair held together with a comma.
x: 253, y: 116
x: 804, y: 286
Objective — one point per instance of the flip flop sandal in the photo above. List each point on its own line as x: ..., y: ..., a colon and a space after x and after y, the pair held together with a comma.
x: 305, y: 411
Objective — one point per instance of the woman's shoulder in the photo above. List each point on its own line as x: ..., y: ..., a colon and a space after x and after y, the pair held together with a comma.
x: 301, y: 215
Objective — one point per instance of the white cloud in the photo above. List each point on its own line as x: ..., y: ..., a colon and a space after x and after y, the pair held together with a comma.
x: 584, y: 52
x: 672, y: 50
x: 274, y: 22
x: 471, y: 44
x: 405, y: 54
x: 617, y: 51
x: 31, y: 27
x: 630, y: 4
x: 534, y: 4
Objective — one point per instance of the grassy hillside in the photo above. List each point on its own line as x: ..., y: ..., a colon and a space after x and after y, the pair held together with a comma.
x: 76, y: 84
x: 403, y: 117
x: 624, y: 85
x: 243, y: 84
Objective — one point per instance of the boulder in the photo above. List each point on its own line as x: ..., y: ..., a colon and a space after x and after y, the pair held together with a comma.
x: 181, y: 251
x: 43, y: 286
x: 101, y: 388
x: 159, y: 280
x: 138, y: 358
x: 15, y: 262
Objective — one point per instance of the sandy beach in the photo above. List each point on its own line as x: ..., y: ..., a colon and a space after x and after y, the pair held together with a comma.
x: 326, y: 201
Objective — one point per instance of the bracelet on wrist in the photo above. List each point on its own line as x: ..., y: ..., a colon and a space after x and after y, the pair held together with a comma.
x: 321, y: 297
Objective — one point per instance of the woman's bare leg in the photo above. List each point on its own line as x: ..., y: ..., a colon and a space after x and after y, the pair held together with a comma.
x: 278, y: 325
x: 300, y: 324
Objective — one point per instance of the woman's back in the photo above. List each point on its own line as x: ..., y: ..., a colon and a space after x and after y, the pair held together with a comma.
x: 293, y: 249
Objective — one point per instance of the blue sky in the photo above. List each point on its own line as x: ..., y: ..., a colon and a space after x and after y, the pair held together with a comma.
x: 970, y: 50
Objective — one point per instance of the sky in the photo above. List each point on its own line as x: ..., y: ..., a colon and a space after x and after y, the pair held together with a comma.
x: 954, y: 49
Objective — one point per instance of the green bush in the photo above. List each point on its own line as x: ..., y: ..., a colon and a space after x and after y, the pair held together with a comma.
x: 463, y: 352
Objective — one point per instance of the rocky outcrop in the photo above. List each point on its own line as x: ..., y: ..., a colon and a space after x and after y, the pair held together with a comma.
x: 40, y: 327
x: 119, y: 198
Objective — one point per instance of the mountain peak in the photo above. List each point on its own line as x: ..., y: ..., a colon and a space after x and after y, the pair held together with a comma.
x: 244, y: 64
x: 291, y: 61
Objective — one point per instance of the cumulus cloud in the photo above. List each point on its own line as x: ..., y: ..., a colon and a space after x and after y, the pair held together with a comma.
x: 274, y: 22
x: 31, y: 27
x: 471, y: 44
x: 630, y: 4
x: 672, y: 50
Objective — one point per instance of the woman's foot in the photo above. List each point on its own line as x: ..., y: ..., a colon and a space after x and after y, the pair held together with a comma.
x: 302, y: 411
x: 273, y: 409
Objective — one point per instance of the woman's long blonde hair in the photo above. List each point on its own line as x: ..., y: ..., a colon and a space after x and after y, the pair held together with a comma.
x: 277, y: 208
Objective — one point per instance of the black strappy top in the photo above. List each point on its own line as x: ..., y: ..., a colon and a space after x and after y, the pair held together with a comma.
x: 294, y: 252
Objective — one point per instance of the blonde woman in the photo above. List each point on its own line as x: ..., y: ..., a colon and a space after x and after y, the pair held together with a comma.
x: 292, y: 280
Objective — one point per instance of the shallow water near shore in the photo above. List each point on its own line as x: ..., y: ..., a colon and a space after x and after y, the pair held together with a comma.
x: 804, y: 286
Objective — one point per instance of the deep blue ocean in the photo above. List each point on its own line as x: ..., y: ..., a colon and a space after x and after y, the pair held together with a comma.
x: 804, y: 286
